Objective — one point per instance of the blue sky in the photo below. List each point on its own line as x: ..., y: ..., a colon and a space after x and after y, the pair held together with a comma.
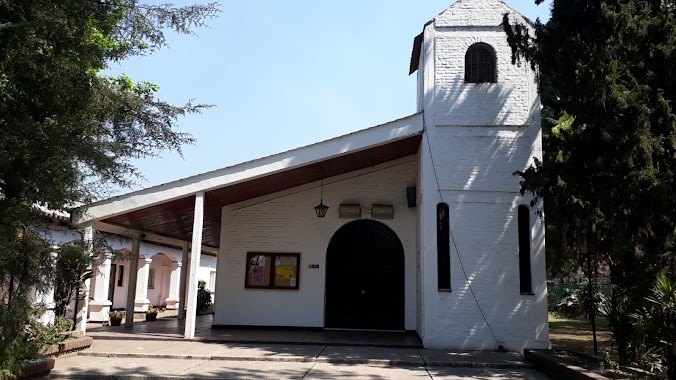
x: 284, y: 74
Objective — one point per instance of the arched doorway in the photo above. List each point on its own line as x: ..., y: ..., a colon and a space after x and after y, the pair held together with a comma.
x: 365, y: 278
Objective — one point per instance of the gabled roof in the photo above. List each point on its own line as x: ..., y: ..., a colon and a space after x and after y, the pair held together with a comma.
x: 477, y: 13
x: 468, y: 13
x: 168, y: 209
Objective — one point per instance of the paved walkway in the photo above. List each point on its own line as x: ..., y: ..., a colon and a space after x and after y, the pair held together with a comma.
x: 157, y: 350
x: 162, y: 359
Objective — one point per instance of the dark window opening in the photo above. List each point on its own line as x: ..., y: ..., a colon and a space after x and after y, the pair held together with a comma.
x: 443, y: 248
x: 151, y: 278
x: 120, y: 277
x: 480, y: 64
x: 524, y: 250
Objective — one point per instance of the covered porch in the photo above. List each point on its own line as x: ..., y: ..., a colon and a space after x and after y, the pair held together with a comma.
x: 192, y: 213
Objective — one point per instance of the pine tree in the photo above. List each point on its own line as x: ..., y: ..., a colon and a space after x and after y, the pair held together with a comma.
x: 607, y: 76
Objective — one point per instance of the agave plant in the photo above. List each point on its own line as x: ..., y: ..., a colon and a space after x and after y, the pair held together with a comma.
x: 655, y: 326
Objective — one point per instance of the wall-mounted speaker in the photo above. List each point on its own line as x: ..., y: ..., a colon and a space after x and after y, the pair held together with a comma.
x: 382, y: 212
x: 411, y: 196
x: 349, y: 211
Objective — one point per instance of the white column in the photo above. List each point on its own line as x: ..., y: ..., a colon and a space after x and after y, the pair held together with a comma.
x: 184, y: 278
x: 191, y: 312
x: 83, y: 305
x: 163, y: 292
x: 141, y: 303
x: 173, y: 301
x: 100, y: 306
x: 131, y: 284
x: 46, y: 299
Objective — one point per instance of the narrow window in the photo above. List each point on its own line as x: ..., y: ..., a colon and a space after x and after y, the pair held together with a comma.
x: 524, y: 250
x: 480, y: 64
x: 443, y: 249
x: 151, y: 278
x: 120, y: 277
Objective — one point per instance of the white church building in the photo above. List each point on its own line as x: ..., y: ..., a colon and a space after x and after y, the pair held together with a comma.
x: 425, y: 229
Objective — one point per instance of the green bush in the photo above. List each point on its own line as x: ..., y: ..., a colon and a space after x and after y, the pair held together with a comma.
x: 652, y: 346
x: 203, y: 297
x: 574, y: 301
x: 41, y: 336
x: 570, y: 305
x: 33, y: 337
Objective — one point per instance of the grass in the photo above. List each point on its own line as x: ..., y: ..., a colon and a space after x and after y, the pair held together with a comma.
x: 576, y: 335
x: 570, y: 336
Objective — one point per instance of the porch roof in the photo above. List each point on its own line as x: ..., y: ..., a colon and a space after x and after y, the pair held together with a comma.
x: 167, y: 210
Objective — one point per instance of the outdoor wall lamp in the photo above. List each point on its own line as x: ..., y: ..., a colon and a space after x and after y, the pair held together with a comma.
x: 321, y: 208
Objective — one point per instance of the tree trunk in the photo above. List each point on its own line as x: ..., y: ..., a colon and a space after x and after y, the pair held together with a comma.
x: 671, y: 361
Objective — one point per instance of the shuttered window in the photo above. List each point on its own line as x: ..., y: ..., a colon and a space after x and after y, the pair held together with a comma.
x: 480, y: 64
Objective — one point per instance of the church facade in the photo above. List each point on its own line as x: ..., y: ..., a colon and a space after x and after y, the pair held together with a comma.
x: 416, y: 224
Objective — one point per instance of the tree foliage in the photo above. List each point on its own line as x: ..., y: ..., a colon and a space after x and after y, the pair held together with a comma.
x: 67, y: 131
x: 73, y: 267
x: 22, y: 255
x: 203, y: 297
x: 607, y: 82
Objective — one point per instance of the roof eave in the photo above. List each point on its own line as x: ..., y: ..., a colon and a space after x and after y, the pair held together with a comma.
x: 342, y: 145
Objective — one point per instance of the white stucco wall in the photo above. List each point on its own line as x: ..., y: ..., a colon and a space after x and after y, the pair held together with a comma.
x: 286, y: 222
x: 477, y: 135
x: 161, y: 265
x: 61, y: 235
x: 207, y: 266
x: 204, y: 273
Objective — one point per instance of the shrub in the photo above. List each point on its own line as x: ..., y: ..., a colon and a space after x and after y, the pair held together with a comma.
x: 652, y: 346
x: 116, y: 314
x: 203, y: 297
x: 44, y: 336
x: 152, y: 309
x: 33, y: 338
x: 570, y: 305
x: 575, y: 302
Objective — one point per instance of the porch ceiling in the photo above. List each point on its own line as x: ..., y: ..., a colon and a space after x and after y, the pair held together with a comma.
x: 174, y: 218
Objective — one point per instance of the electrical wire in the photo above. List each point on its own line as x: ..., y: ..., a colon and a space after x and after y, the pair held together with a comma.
x: 450, y: 230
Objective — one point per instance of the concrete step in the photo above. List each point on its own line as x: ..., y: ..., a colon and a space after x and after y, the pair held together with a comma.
x: 334, y: 356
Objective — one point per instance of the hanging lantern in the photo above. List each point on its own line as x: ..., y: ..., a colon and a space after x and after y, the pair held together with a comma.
x: 321, y: 208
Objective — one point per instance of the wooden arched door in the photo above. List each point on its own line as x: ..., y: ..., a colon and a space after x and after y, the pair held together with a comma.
x: 365, y: 278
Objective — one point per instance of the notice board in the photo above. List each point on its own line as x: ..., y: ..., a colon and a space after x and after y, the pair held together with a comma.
x: 272, y: 270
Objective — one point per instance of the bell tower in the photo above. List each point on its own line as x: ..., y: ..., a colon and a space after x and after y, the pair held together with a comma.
x: 482, y: 123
